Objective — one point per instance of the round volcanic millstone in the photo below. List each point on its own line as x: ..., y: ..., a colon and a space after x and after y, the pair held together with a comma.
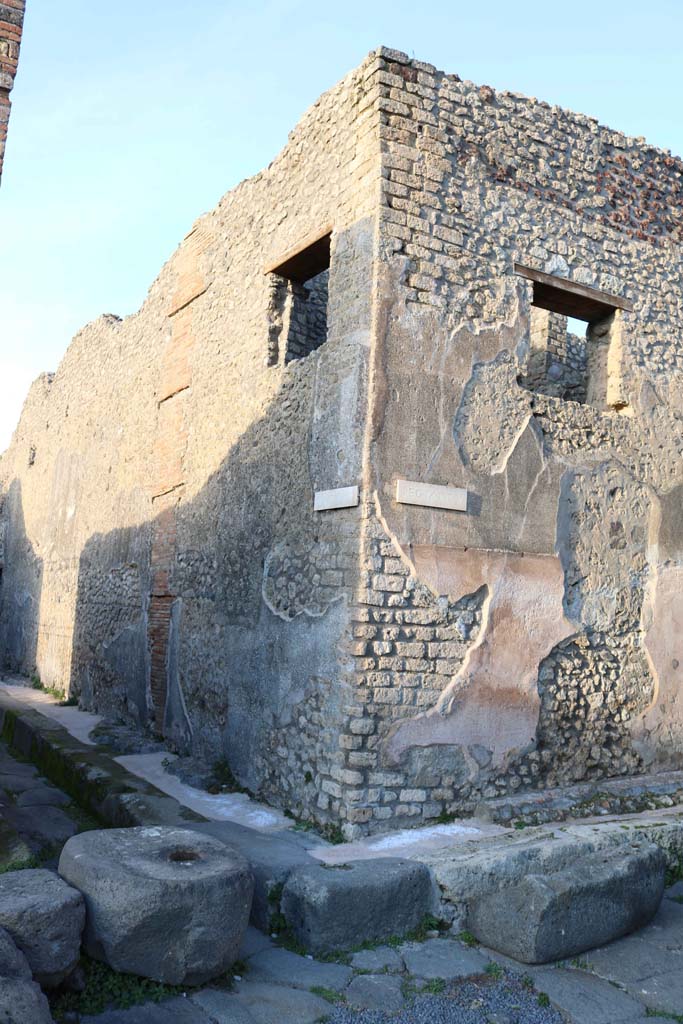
x: 161, y: 902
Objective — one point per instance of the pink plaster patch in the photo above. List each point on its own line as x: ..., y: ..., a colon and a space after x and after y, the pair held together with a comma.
x: 493, y: 700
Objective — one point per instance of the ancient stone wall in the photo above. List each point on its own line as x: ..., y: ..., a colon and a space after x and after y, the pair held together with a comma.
x: 366, y: 311
x: 163, y: 561
x: 571, y: 669
x: 11, y: 25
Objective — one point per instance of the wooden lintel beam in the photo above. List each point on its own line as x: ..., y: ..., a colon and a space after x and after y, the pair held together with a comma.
x: 576, y: 296
x: 306, y: 259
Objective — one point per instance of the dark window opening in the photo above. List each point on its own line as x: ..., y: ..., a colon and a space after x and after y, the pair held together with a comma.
x: 574, y: 342
x: 297, y: 313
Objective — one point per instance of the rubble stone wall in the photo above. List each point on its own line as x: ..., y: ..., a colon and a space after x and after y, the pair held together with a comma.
x: 162, y: 558
x: 11, y: 25
x: 572, y: 667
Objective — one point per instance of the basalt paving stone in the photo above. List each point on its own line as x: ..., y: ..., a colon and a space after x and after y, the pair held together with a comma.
x: 375, y: 992
x: 254, y: 942
x: 281, y: 967
x: 173, y: 1011
x: 674, y: 891
x: 42, y: 826
x: 586, y: 999
x: 16, y: 783
x: 275, y: 1004
x: 663, y: 992
x: 666, y: 928
x: 632, y: 959
x: 222, y: 1007
x: 42, y: 796
x: 384, y: 958
x: 442, y: 958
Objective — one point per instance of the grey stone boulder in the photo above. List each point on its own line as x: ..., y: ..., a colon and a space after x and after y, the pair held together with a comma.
x: 330, y: 907
x: 600, y: 897
x: 21, y: 999
x: 23, y: 1002
x: 162, y: 902
x: 44, y: 917
x: 13, y: 963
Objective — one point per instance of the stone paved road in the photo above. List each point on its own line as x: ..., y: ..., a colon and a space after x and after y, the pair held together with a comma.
x: 440, y: 981
x: 443, y: 981
x: 36, y: 818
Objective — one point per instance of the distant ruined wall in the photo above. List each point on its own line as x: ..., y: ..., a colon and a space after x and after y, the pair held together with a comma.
x: 570, y: 664
x: 11, y: 24
x: 163, y: 561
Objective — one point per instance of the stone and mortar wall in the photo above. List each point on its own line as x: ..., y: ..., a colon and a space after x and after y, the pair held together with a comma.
x: 11, y: 25
x: 162, y: 558
x: 385, y: 664
x: 557, y: 363
x: 570, y: 553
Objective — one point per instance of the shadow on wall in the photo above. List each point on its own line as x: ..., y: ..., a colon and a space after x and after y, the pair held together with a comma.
x: 246, y: 654
x: 20, y: 588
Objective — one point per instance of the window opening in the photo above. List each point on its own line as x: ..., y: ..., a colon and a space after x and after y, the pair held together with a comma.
x: 574, y: 342
x: 298, y: 302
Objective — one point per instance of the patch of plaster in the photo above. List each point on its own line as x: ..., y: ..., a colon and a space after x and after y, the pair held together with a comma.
x: 492, y: 415
x: 603, y: 539
x: 493, y: 701
x: 659, y: 731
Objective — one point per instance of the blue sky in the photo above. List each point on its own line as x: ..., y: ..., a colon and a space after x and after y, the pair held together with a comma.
x: 131, y: 119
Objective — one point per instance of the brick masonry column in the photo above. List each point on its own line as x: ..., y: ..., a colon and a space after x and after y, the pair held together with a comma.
x: 11, y: 24
x: 170, y: 443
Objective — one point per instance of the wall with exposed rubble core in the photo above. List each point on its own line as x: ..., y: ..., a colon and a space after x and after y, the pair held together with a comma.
x: 385, y: 664
x: 567, y: 562
x: 162, y: 560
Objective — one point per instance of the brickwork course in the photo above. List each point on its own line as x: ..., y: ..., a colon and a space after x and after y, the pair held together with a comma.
x: 387, y: 301
x: 11, y: 24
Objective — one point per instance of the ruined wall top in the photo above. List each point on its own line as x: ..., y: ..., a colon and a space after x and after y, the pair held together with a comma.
x: 11, y: 24
x: 553, y: 154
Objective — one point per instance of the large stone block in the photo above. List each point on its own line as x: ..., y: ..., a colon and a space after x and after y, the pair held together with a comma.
x: 600, y: 897
x: 162, y: 902
x: 13, y: 963
x: 330, y: 907
x: 22, y: 1002
x: 44, y: 917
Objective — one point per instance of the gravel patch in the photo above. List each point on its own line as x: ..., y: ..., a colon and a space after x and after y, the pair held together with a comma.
x: 484, y: 1001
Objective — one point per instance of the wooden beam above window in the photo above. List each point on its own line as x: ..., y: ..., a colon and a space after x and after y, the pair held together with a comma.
x: 308, y: 260
x: 569, y: 298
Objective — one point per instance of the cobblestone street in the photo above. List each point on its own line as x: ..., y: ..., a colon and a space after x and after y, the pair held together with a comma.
x: 36, y: 818
x: 441, y: 980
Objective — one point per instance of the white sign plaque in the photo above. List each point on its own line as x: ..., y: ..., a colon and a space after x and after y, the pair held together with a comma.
x: 339, y: 497
x: 409, y: 492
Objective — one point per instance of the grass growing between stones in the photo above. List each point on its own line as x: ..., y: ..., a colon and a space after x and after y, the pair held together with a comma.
x: 106, y: 989
x: 328, y: 994
x: 281, y: 932
x: 674, y: 873
x: 434, y: 987
x: 34, y: 860
x: 662, y: 1013
x: 59, y: 695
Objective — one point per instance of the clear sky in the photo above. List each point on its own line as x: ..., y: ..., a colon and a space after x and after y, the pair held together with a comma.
x: 132, y: 118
